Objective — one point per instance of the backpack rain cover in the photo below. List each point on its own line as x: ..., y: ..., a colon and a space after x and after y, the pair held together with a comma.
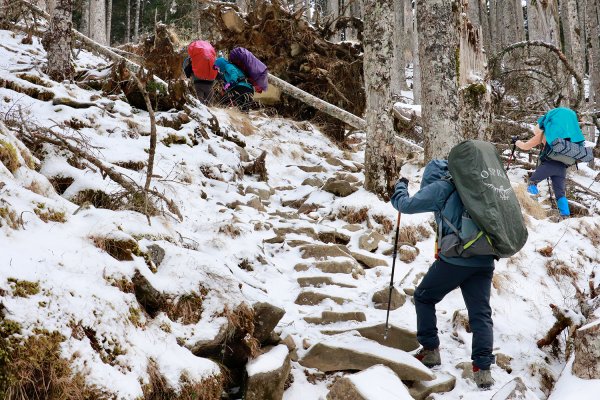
x: 203, y: 57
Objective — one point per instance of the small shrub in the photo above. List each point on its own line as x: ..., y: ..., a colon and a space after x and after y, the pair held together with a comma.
x: 387, y: 225
x: 97, y: 198
x: 9, y: 156
x: 173, y: 139
x: 121, y: 250
x: 557, y: 268
x: 24, y: 288
x: 230, y: 229
x: 33, y: 368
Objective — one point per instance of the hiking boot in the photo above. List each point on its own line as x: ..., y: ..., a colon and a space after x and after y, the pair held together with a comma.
x: 532, y: 189
x: 429, y: 357
x: 563, y: 206
x: 483, y: 378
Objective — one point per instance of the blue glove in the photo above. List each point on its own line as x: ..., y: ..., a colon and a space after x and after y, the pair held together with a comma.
x: 403, y: 180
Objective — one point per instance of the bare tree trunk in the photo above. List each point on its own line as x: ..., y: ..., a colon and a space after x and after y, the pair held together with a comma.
x: 542, y: 20
x: 136, y: 24
x: 85, y: 17
x: 416, y: 59
x: 57, y: 41
x: 455, y: 98
x: 128, y: 22
x: 438, y: 41
x: 98, y: 21
x: 494, y: 39
x: 381, y: 155
x: 574, y: 33
x: 593, y: 26
x: 108, y: 20
x: 398, y: 79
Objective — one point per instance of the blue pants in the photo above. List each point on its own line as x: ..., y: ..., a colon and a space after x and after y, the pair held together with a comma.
x: 475, y: 284
x: 554, y: 170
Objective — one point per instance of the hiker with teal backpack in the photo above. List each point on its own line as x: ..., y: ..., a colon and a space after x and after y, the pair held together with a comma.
x: 478, y: 220
x: 557, y: 126
x: 235, y: 84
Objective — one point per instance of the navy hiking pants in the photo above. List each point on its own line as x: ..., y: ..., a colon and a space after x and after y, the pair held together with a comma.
x: 475, y: 284
x: 554, y: 170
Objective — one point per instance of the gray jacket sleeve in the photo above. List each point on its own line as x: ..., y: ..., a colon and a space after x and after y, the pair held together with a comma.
x: 431, y: 198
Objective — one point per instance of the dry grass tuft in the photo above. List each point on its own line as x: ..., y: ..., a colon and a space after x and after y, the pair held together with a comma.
x: 353, y: 215
x: 33, y: 368
x: 23, y: 288
x: 187, y: 308
x: 412, y: 234
x: 557, y: 268
x: 529, y: 204
x: 9, y: 216
x: 501, y: 281
x: 240, y: 328
x: 49, y: 214
x: 122, y: 250
x: 9, y: 156
x: 546, y: 251
x: 591, y: 231
x: 241, y: 122
x: 387, y: 225
x: 158, y: 388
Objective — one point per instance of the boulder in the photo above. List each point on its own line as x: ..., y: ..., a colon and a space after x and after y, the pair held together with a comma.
x: 263, y: 194
x: 232, y: 20
x: 345, y: 266
x: 269, y: 97
x: 375, y: 383
x: 515, y: 390
x: 369, y: 261
x: 352, y: 227
x: 255, y: 203
x: 441, y: 384
x: 314, y: 298
x: 321, y: 281
x: 339, y: 188
x: 349, y: 351
x: 267, y: 374
x: 347, y: 177
x: 157, y: 254
x: 587, y: 351
x: 370, y: 241
x: 149, y: 298
x: 324, y: 251
x: 316, y: 182
x: 266, y: 318
x: 408, y: 253
x: 380, y: 298
x: 398, y: 338
x: 329, y: 317
x: 312, y: 168
x: 305, y: 230
x: 333, y: 237
x: 336, y: 162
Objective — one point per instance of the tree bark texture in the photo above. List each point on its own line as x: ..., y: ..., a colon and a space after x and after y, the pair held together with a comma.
x: 542, y: 20
x: 109, y: 6
x: 382, y: 161
x: 593, y: 26
x: 438, y: 57
x: 128, y: 22
x: 587, y: 352
x: 57, y: 41
x: 398, y: 82
x: 85, y: 18
x: 98, y: 21
x: 136, y: 24
x: 416, y: 59
x: 574, y: 32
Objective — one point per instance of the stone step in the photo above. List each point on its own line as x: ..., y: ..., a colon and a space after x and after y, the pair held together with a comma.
x: 349, y: 351
x: 443, y: 383
x: 309, y: 298
x: 340, y: 266
x: 375, y: 383
x: 397, y: 337
x: 324, y: 251
x: 369, y: 260
x: 329, y: 317
x: 306, y: 281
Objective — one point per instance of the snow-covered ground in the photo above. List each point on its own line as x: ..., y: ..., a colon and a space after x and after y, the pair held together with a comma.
x: 224, y: 227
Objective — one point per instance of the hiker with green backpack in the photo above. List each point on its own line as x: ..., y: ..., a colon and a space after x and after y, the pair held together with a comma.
x: 478, y: 220
x: 558, y: 127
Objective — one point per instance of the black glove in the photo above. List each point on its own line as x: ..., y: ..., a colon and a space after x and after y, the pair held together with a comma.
x: 403, y: 180
x: 514, y: 139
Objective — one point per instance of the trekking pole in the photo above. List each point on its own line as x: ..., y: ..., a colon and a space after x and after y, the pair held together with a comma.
x: 387, y: 318
x: 512, y: 153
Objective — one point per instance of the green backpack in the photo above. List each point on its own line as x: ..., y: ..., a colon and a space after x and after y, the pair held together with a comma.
x: 488, y: 197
